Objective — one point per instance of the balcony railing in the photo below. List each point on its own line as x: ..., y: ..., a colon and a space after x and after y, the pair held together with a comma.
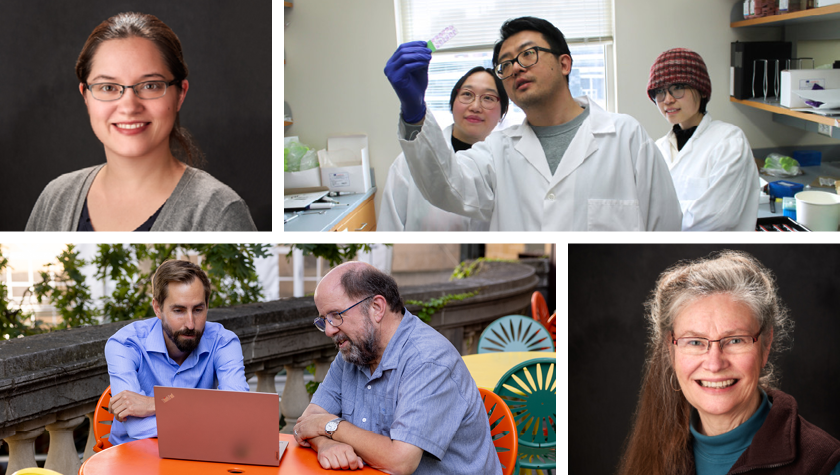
x: 52, y: 381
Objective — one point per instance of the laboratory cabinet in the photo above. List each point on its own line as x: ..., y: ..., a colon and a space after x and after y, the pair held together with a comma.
x: 815, y: 24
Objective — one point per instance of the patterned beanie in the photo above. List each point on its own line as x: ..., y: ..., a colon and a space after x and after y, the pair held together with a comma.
x: 680, y: 66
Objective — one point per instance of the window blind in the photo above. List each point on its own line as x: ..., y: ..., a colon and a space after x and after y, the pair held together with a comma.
x: 478, y: 21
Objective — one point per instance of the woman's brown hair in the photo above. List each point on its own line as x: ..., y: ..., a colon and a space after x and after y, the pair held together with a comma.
x: 141, y: 25
x: 659, y: 442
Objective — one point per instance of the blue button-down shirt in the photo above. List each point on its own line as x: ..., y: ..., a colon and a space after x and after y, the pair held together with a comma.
x: 138, y: 361
x: 421, y: 393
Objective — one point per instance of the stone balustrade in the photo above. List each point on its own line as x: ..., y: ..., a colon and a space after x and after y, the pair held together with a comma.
x: 52, y: 381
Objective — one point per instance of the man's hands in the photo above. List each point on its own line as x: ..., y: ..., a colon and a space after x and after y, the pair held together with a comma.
x: 129, y: 403
x: 408, y: 72
x: 331, y: 454
x: 338, y: 456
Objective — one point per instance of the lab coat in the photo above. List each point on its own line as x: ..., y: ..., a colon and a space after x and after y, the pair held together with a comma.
x: 611, y: 178
x: 403, y: 207
x: 715, y: 176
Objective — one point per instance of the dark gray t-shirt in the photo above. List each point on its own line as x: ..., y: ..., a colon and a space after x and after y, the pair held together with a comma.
x: 555, y: 139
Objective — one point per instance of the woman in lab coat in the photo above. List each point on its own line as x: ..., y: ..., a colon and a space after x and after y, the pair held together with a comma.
x: 478, y: 103
x: 710, y: 161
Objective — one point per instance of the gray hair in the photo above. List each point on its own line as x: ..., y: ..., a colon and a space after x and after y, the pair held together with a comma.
x: 736, y: 274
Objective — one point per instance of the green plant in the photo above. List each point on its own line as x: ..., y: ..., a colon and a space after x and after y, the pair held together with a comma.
x: 312, y: 386
x: 432, y: 306
x: 230, y: 268
x: 334, y: 254
x: 471, y: 268
x: 13, y: 322
x: 67, y: 290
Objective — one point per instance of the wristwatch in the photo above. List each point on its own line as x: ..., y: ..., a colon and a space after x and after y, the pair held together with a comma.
x: 332, y: 426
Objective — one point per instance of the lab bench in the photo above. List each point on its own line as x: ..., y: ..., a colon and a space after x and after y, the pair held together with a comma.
x: 359, y: 215
x: 831, y: 169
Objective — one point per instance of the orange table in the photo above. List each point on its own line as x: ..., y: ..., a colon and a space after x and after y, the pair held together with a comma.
x: 488, y: 368
x: 141, y: 458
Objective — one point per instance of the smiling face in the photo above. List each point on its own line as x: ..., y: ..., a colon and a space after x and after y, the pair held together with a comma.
x: 722, y: 387
x: 131, y: 127
x: 473, y: 123
x: 684, y: 111
x: 541, y: 83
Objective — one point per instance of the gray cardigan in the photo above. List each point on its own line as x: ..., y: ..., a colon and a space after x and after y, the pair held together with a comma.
x: 198, y: 203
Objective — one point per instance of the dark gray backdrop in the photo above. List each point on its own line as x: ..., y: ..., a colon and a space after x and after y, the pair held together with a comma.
x: 44, y: 127
x: 607, y: 335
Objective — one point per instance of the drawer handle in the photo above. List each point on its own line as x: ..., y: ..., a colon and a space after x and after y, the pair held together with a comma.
x: 363, y: 227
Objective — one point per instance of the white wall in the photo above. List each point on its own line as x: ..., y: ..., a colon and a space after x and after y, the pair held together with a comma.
x: 644, y: 29
x: 336, y: 52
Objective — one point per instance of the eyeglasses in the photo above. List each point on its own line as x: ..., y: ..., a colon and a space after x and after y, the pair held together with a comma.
x: 336, y: 318
x: 526, y: 59
x: 487, y: 101
x: 731, y: 345
x: 108, y: 91
x: 677, y: 91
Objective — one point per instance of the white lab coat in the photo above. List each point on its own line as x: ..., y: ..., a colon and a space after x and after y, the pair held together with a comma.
x: 403, y: 207
x: 715, y: 176
x: 611, y: 178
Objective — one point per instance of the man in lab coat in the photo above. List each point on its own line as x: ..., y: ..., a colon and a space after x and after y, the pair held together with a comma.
x: 570, y: 166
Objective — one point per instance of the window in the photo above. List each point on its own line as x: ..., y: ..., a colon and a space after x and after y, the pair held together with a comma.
x: 586, y: 24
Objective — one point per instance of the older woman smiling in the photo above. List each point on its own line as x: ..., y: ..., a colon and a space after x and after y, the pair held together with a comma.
x: 708, y: 403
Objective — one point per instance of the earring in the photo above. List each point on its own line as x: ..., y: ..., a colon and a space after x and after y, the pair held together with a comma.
x: 672, y: 383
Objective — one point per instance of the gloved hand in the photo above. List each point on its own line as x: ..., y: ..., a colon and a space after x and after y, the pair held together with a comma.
x: 408, y: 72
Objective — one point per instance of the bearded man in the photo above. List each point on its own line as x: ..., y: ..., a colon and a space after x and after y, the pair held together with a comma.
x: 179, y: 348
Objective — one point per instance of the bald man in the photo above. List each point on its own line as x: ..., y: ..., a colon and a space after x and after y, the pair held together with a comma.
x: 398, y: 397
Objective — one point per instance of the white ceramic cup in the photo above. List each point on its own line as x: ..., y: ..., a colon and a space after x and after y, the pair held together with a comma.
x: 818, y: 210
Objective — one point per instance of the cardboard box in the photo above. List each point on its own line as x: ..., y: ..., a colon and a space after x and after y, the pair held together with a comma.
x: 345, y: 164
x: 804, y: 79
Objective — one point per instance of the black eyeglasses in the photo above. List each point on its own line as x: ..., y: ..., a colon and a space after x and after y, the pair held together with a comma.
x: 731, y: 345
x: 525, y: 58
x: 335, y: 318
x: 109, y: 91
x: 677, y: 91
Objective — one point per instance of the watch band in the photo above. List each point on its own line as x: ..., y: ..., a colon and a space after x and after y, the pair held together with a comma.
x: 334, y: 424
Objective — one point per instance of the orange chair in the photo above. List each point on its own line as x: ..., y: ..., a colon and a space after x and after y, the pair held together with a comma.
x: 102, y: 420
x: 502, y: 429
x: 551, y: 326
x: 539, y: 309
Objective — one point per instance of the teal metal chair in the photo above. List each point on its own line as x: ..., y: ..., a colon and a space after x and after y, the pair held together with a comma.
x: 515, y: 333
x: 530, y: 391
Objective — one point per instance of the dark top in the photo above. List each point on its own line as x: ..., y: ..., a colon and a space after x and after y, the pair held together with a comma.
x: 457, y: 145
x: 86, y: 225
x: 683, y: 135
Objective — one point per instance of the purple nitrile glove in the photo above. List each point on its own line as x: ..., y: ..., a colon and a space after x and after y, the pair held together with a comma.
x: 408, y: 72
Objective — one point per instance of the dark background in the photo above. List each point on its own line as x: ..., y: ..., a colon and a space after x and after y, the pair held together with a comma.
x: 608, y: 285
x: 44, y: 127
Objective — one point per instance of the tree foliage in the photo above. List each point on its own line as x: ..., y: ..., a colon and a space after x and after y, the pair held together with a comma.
x: 334, y: 254
x: 12, y: 321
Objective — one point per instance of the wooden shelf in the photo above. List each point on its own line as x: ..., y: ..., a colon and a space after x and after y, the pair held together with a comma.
x: 777, y: 109
x: 288, y: 4
x: 831, y: 12
x: 286, y: 123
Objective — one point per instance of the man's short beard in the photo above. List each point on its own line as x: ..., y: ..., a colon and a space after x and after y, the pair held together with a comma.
x: 367, y: 349
x: 185, y: 346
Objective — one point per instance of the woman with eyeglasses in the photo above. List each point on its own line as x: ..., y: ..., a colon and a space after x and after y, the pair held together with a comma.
x: 133, y: 79
x: 478, y: 103
x: 710, y: 161
x: 709, y: 403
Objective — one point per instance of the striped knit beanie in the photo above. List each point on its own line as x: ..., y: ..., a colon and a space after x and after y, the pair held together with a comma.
x: 679, y: 66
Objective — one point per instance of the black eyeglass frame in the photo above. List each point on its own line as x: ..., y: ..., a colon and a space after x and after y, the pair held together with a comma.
x: 326, y: 318
x: 89, y: 87
x: 536, y: 49
x: 667, y: 90
x: 719, y: 342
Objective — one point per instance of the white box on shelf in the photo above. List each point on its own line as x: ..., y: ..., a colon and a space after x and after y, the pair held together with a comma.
x: 803, y: 79
x: 305, y: 179
x: 345, y: 164
x: 825, y: 3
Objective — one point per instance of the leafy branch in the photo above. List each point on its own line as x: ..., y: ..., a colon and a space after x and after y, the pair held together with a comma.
x: 434, y: 305
x: 470, y: 268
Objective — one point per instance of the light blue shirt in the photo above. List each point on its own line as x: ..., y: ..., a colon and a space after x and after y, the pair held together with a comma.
x: 422, y: 394
x: 715, y: 455
x: 138, y: 361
